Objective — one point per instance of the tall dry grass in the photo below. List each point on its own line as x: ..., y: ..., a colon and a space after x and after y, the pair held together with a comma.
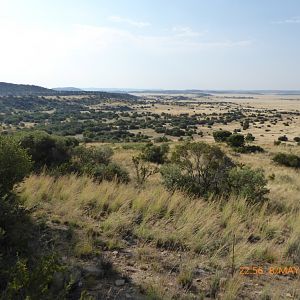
x: 172, y: 221
x: 115, y: 214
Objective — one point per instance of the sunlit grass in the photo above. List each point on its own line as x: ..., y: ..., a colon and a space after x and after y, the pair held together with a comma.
x: 208, y: 230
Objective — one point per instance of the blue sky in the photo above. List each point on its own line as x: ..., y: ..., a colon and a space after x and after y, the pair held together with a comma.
x: 178, y: 44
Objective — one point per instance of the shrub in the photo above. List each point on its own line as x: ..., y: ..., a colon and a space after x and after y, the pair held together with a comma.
x: 249, y: 138
x: 143, y: 170
x: 27, y: 282
x: 173, y: 178
x: 22, y: 274
x: 277, y: 143
x: 246, y: 125
x: 175, y: 131
x: 201, y: 169
x: 161, y: 139
x: 236, y: 140
x: 14, y: 164
x: 96, y: 162
x: 197, y: 168
x: 297, y: 139
x: 45, y: 149
x: 221, y: 135
x: 92, y: 155
x: 155, y: 154
x: 110, y: 172
x: 248, y: 183
x: 249, y: 149
x: 283, y: 138
x: 288, y: 160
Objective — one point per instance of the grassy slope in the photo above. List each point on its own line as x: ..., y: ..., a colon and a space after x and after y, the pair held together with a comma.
x: 173, y: 239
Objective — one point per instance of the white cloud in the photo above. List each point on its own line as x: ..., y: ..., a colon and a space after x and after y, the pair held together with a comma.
x: 82, y: 53
x: 102, y: 37
x: 185, y: 31
x: 25, y: 45
x: 294, y: 20
x: 131, y: 22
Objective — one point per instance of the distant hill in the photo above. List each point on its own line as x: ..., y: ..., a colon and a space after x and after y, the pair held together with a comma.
x: 11, y: 89
x: 7, y: 89
x: 67, y: 89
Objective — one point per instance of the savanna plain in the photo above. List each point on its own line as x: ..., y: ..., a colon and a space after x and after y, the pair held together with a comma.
x: 182, y: 195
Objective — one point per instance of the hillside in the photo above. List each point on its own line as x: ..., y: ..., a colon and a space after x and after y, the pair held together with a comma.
x: 11, y: 89
x: 7, y: 89
x: 111, y: 196
x: 102, y: 234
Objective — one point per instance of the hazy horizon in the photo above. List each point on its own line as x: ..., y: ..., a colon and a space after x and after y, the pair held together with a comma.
x: 203, y: 45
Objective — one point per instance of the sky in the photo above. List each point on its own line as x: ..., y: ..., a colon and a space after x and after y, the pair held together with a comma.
x: 151, y: 44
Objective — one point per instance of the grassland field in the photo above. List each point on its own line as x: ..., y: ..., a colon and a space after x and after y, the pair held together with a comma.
x: 169, y: 245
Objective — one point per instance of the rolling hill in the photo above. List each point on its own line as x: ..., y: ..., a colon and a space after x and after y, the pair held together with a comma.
x: 7, y: 89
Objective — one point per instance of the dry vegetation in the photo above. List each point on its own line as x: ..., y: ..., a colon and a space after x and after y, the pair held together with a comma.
x: 141, y: 241
x: 169, y: 245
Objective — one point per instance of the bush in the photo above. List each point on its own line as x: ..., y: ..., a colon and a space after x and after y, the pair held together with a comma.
x: 248, y: 183
x: 246, y: 125
x: 45, y: 149
x: 23, y: 275
x: 201, y: 169
x: 249, y: 149
x: 96, y: 162
x: 92, y: 155
x: 236, y: 140
x: 197, y: 168
x: 161, y: 139
x: 15, y: 164
x: 283, y: 138
x: 110, y: 172
x: 221, y: 135
x: 297, y: 139
x: 249, y: 138
x: 32, y: 282
x: 288, y: 160
x: 173, y: 178
x: 155, y: 154
x: 277, y: 143
x: 143, y: 170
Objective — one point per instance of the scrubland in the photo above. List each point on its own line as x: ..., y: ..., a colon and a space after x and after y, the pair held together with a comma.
x: 130, y: 239
x: 170, y: 245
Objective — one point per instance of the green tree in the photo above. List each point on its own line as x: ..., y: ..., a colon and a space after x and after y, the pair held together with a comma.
x: 155, y: 154
x: 198, y: 168
x: 288, y: 160
x: 236, y: 140
x: 15, y: 164
x: 45, y: 149
x: 248, y: 183
x: 221, y: 135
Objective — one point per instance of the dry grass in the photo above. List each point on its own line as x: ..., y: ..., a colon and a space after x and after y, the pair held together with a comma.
x: 201, y: 231
x: 174, y: 221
